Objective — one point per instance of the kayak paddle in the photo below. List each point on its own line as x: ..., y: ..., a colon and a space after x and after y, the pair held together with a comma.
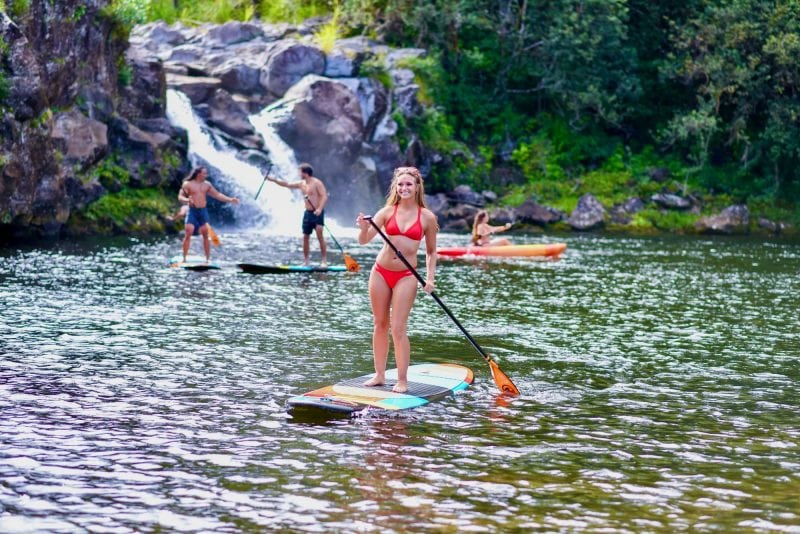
x: 500, y: 378
x: 263, y: 181
x: 351, y: 264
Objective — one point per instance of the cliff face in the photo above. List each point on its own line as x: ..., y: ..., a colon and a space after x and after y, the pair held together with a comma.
x: 80, y: 120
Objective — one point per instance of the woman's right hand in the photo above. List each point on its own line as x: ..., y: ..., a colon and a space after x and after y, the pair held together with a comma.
x: 361, y: 222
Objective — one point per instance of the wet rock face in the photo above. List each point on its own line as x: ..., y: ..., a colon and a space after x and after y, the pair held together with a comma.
x: 289, y: 62
x: 70, y: 81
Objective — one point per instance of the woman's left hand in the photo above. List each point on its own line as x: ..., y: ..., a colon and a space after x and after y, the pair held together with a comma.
x: 428, y: 288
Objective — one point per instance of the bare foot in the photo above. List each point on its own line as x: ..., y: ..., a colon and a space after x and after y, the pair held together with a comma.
x: 374, y: 381
x: 400, y: 387
x: 323, y: 264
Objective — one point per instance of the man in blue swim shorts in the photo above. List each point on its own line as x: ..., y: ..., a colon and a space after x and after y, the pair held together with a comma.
x: 193, y: 193
x: 316, y: 196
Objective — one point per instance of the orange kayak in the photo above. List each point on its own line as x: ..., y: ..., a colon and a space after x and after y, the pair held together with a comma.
x: 551, y: 250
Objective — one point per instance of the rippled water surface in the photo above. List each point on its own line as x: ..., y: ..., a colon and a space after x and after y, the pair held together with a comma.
x: 660, y: 384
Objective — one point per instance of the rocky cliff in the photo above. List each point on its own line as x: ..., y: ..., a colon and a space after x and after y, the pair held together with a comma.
x: 81, y: 119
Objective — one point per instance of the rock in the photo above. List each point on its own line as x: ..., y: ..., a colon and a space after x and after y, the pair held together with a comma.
x: 417, y: 156
x: 342, y: 63
x: 671, y: 201
x: 238, y: 77
x: 464, y: 194
x: 373, y: 99
x: 459, y: 217
x: 146, y: 95
x: 156, y: 34
x: 489, y: 196
x: 504, y: 215
x: 531, y: 212
x: 234, y: 32
x: 622, y: 213
x: 402, y: 77
x: 196, y: 88
x: 290, y: 61
x: 26, y: 94
x: 588, y: 215
x: 82, y: 194
x: 775, y: 227
x: 437, y: 203
x: 83, y: 141
x: 223, y: 112
x: 95, y: 103
x: 733, y: 219
x: 405, y: 99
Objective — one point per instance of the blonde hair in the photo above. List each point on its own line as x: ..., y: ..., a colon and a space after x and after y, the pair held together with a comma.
x: 392, y: 199
x: 476, y: 222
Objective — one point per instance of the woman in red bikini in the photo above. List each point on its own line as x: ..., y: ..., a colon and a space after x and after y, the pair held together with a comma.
x: 406, y: 220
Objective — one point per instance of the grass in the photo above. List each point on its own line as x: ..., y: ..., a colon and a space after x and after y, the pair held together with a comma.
x: 326, y: 36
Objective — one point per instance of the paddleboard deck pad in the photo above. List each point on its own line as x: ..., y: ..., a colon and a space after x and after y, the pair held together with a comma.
x: 426, y: 382
x: 192, y: 263
x: 254, y: 268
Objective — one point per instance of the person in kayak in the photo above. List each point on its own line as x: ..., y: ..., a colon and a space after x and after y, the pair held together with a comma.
x: 316, y: 196
x: 193, y: 194
x: 482, y: 230
x: 406, y: 220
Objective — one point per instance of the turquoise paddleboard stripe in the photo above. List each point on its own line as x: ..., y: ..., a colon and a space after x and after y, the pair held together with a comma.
x: 402, y: 403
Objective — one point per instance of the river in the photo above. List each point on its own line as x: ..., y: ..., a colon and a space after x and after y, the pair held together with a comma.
x: 659, y: 381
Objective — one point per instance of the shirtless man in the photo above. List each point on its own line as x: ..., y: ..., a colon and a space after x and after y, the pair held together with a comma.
x: 193, y: 194
x: 316, y: 196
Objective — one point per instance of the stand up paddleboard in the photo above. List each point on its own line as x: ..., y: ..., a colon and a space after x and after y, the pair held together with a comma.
x: 192, y: 263
x: 426, y: 382
x: 254, y: 268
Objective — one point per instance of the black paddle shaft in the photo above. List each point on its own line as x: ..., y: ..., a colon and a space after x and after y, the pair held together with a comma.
x: 326, y: 227
x: 433, y: 293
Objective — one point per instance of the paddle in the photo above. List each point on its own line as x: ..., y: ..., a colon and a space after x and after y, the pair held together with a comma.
x: 263, y: 181
x: 500, y: 378
x: 351, y: 264
x: 215, y: 240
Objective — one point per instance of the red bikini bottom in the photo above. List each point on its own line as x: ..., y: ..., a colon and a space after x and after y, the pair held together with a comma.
x: 392, y: 277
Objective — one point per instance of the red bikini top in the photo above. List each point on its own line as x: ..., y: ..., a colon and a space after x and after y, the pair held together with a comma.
x: 414, y: 231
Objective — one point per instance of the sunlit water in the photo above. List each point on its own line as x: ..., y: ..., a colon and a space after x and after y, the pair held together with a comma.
x: 659, y: 384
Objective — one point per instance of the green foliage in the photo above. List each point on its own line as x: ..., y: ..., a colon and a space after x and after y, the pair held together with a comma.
x: 375, y: 68
x: 129, y: 210
x: 124, y: 72
x: 5, y: 87
x: 326, y: 36
x: 15, y: 8
x: 293, y: 11
x: 110, y: 174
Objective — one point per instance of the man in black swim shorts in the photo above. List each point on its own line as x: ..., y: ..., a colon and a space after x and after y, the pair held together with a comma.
x: 316, y: 196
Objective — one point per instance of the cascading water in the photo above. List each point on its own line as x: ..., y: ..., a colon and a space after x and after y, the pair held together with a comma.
x: 277, y: 211
x: 270, y: 210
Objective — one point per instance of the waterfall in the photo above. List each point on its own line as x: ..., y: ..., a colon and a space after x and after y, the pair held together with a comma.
x: 278, y: 210
x: 275, y: 205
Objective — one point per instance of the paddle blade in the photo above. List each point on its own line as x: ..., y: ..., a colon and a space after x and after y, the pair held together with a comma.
x: 213, y: 236
x: 351, y: 264
x: 501, y: 379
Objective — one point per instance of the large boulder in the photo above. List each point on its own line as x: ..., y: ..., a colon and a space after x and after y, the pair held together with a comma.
x: 589, y: 214
x: 437, y: 203
x: 290, y: 61
x: 223, y: 112
x: 733, y: 219
x: 504, y: 215
x: 463, y: 194
x: 82, y: 141
x: 531, y: 212
x: 321, y: 120
x: 233, y: 32
x: 156, y: 35
x: 198, y: 89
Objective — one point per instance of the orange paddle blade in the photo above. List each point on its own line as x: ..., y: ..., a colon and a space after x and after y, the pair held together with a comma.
x: 501, y: 379
x: 213, y: 235
x: 351, y: 264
